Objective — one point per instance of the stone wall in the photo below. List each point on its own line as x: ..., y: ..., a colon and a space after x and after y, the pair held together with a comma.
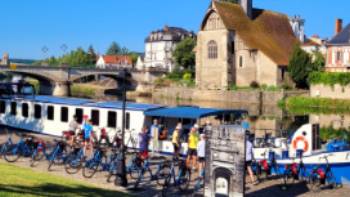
x: 242, y: 96
x: 333, y: 92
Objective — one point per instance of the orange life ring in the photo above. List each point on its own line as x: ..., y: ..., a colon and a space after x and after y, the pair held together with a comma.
x: 301, y: 138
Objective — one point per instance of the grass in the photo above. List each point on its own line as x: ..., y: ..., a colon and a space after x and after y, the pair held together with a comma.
x: 302, y: 105
x: 17, y: 181
x: 84, y: 90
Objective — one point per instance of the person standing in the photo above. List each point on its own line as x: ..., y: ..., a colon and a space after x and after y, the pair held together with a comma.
x: 88, y: 135
x: 249, y: 159
x: 192, y: 148
x: 201, y: 153
x: 176, y: 142
x: 155, y: 136
x: 73, y: 126
x: 144, y: 142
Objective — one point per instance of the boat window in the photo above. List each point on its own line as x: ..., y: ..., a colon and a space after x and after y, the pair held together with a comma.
x: 13, y: 108
x: 50, y: 112
x: 95, y: 117
x: 2, y: 107
x: 79, y: 113
x: 112, y: 119
x: 64, y: 114
x: 127, y: 120
x: 37, y: 111
x: 25, y: 110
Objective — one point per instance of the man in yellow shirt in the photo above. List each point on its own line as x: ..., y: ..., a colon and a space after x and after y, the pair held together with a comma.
x: 193, y: 139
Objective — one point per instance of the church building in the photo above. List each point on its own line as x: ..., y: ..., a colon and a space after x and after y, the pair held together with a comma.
x: 239, y: 45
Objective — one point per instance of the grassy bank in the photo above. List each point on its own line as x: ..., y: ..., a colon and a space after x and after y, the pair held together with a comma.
x: 85, y: 90
x: 17, y: 181
x: 300, y: 104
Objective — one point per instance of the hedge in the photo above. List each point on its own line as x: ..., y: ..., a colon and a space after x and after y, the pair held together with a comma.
x: 328, y: 78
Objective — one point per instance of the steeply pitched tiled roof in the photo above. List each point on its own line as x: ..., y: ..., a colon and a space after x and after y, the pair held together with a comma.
x: 268, y: 31
x: 342, y: 38
x: 117, y: 59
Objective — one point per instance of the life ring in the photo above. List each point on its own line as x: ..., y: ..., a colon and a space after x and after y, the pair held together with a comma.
x: 301, y: 138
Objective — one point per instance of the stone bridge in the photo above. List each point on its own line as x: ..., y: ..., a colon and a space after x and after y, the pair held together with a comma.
x: 57, y: 80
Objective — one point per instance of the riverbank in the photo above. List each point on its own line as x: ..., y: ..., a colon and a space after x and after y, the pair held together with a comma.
x: 302, y: 104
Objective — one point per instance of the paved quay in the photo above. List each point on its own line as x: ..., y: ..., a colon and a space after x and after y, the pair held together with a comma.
x: 268, y: 188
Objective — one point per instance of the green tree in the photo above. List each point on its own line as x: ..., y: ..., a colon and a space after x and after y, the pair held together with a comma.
x: 134, y: 56
x: 318, y: 61
x: 114, y: 49
x: 300, y: 66
x: 184, y: 55
x: 92, y: 54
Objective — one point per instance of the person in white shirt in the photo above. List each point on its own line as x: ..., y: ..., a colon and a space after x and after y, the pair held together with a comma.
x: 249, y: 159
x: 201, y: 152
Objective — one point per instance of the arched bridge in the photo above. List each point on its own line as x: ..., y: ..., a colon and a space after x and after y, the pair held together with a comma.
x: 56, y: 80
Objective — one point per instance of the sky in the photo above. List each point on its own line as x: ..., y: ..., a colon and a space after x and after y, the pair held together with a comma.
x: 27, y: 26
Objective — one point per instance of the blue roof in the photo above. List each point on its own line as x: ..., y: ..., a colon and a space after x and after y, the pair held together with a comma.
x: 190, y: 112
x: 129, y: 105
x: 59, y: 100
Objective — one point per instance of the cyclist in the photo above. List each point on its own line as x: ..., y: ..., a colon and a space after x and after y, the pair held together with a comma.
x: 192, y: 148
x: 72, y: 128
x: 88, y: 135
x: 104, y: 143
x: 144, y: 142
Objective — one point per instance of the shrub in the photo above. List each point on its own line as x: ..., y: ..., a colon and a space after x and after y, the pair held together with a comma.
x: 254, y: 85
x: 329, y: 78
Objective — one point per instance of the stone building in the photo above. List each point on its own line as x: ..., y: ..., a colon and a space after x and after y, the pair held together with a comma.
x: 160, y: 45
x: 240, y: 45
x: 338, y: 49
x: 297, y: 24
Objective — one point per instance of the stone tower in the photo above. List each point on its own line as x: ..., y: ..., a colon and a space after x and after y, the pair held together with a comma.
x: 5, y: 59
x: 297, y: 24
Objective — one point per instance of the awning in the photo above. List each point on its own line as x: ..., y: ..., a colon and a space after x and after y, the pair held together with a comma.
x: 190, y: 112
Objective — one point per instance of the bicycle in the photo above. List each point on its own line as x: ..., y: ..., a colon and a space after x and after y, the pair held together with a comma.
x: 181, y: 180
x: 321, y: 175
x: 294, y: 172
x: 112, y: 165
x: 133, y: 140
x: 4, y: 147
x: 39, y: 153
x: 24, y: 147
x: 91, y: 166
x: 58, y: 155
x: 74, y: 161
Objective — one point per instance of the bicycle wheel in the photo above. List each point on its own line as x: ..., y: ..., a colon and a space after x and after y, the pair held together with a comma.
x: 163, y: 175
x: 12, y: 154
x: 90, y: 169
x: 313, y: 183
x: 73, y: 164
x: 37, y: 156
x: 184, y: 179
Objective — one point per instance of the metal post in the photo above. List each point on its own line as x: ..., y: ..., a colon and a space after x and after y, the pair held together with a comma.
x: 122, y: 169
x: 69, y: 82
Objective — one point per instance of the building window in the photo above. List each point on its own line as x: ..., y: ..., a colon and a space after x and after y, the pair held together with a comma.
x: 95, y: 117
x: 50, y: 112
x: 240, y: 61
x: 212, y: 50
x: 25, y: 110
x: 37, y: 111
x: 112, y: 119
x: 2, y: 107
x: 13, y: 108
x: 64, y: 114
x: 79, y: 113
x: 339, y: 56
x: 127, y: 120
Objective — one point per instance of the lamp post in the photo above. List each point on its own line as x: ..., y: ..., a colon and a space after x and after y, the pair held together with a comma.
x: 122, y: 168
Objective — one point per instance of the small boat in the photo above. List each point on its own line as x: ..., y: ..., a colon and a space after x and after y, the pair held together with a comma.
x: 305, y: 146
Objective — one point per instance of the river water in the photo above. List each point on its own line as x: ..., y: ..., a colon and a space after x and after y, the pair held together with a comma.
x: 271, y: 119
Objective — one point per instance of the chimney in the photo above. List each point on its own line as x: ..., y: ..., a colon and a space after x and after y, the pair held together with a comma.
x: 247, y: 6
x: 338, y: 26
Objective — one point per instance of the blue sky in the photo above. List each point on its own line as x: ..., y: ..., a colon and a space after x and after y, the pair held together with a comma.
x: 28, y: 25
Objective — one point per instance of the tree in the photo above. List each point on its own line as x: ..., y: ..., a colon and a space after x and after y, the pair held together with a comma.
x: 134, y: 56
x: 300, y: 66
x: 318, y: 61
x: 92, y: 55
x: 114, y: 49
x: 184, y: 55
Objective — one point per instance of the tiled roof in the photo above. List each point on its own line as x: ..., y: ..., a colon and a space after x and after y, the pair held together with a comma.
x: 268, y: 31
x: 117, y: 59
x: 342, y: 38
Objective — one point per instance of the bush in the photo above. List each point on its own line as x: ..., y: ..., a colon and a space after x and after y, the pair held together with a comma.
x: 329, y: 78
x: 254, y: 85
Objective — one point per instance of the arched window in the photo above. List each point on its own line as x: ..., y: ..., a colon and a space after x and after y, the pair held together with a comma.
x: 212, y: 50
